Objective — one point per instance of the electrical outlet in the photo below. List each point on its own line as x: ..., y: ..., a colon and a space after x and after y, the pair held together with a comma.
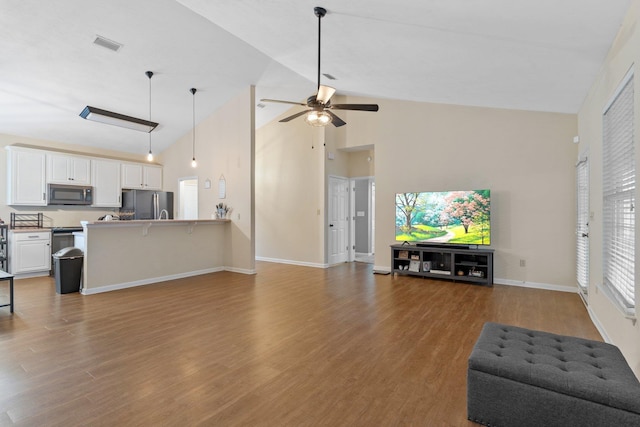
x: 523, y: 263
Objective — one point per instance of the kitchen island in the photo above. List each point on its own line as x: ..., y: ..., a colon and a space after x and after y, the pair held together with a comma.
x: 123, y: 254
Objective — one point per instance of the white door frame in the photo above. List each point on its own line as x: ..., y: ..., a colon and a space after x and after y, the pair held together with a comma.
x: 352, y: 220
x: 337, y: 227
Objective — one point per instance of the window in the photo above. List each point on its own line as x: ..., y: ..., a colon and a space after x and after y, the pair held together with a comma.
x: 618, y: 188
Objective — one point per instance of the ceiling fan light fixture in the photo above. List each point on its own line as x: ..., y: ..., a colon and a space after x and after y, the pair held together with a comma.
x: 319, y: 105
x: 318, y: 118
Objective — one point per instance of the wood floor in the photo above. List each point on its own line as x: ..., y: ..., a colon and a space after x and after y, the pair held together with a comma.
x: 290, y: 346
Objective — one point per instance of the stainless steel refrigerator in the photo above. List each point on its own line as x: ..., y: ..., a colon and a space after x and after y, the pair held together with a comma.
x: 146, y: 204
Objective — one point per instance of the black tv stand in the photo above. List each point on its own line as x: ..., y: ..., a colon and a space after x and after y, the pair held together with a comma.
x: 444, y: 262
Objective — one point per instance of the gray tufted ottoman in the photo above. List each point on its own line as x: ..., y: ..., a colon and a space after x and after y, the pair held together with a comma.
x: 519, y: 377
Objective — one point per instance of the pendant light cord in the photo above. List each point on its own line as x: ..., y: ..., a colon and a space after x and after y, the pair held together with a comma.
x: 193, y: 143
x: 193, y: 92
x: 149, y: 74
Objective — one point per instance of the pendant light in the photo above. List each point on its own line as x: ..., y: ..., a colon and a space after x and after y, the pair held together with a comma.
x: 193, y: 146
x: 150, y: 155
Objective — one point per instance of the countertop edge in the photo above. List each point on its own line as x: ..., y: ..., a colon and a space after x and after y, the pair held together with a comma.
x: 164, y: 222
x: 30, y: 230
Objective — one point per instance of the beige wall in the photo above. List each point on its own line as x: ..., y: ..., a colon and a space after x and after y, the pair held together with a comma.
x: 55, y: 216
x: 361, y: 163
x: 224, y: 147
x: 290, y: 207
x: 625, y: 52
x: 526, y: 158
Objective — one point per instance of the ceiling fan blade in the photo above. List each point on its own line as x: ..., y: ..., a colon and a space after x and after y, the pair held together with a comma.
x: 283, y: 102
x: 356, y: 107
x: 294, y: 116
x: 337, y: 121
x: 325, y: 93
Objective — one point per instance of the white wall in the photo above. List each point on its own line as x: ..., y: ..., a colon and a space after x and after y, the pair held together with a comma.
x: 624, y: 52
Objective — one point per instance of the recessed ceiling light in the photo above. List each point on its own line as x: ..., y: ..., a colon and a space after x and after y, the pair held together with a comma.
x: 106, y: 43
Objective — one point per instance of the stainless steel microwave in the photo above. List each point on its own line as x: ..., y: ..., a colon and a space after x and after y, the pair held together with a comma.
x: 69, y: 195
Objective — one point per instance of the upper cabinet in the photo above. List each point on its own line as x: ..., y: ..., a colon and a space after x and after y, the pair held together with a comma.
x: 29, y: 170
x: 105, y: 175
x: 68, y: 169
x: 26, y: 183
x: 152, y: 177
x: 145, y: 177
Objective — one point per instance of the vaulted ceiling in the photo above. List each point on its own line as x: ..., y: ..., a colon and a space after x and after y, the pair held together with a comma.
x: 533, y: 55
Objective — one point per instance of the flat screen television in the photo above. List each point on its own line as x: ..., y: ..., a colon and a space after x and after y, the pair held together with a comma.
x: 444, y: 217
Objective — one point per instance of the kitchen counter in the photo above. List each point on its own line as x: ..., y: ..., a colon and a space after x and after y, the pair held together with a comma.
x: 30, y: 230
x: 122, y: 254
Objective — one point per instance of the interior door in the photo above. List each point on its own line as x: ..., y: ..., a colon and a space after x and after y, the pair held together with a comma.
x: 338, y: 219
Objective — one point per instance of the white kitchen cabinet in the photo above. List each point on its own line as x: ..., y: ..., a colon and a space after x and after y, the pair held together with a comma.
x: 152, y: 177
x: 26, y: 179
x: 68, y: 169
x: 138, y: 176
x: 30, y: 252
x: 105, y: 175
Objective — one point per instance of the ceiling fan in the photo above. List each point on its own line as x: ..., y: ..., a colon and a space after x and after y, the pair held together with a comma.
x: 320, y: 105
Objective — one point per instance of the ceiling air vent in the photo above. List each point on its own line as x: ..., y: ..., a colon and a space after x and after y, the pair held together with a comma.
x: 109, y: 44
x: 329, y: 76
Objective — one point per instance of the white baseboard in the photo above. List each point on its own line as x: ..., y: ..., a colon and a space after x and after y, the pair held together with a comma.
x: 535, y: 285
x: 29, y: 275
x: 598, y: 325
x: 240, y: 270
x: 290, y: 262
x: 143, y: 282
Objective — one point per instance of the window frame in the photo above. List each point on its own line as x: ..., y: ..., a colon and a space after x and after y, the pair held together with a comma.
x: 618, y: 197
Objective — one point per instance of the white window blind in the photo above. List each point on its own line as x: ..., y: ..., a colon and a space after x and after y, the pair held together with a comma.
x: 582, y: 225
x: 618, y: 188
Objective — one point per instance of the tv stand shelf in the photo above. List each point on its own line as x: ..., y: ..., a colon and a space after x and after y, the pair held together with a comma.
x: 441, y: 262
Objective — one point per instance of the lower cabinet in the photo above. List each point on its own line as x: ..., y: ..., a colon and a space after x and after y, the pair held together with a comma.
x: 30, y: 252
x: 451, y: 263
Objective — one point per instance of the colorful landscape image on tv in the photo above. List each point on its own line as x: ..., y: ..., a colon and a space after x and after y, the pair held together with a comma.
x: 455, y: 217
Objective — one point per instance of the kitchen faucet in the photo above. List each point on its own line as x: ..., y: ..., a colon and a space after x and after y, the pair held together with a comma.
x: 165, y: 212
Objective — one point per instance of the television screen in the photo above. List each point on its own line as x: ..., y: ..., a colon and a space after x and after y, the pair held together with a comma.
x: 456, y: 217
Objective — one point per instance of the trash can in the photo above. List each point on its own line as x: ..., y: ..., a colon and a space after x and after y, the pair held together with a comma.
x: 68, y: 269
